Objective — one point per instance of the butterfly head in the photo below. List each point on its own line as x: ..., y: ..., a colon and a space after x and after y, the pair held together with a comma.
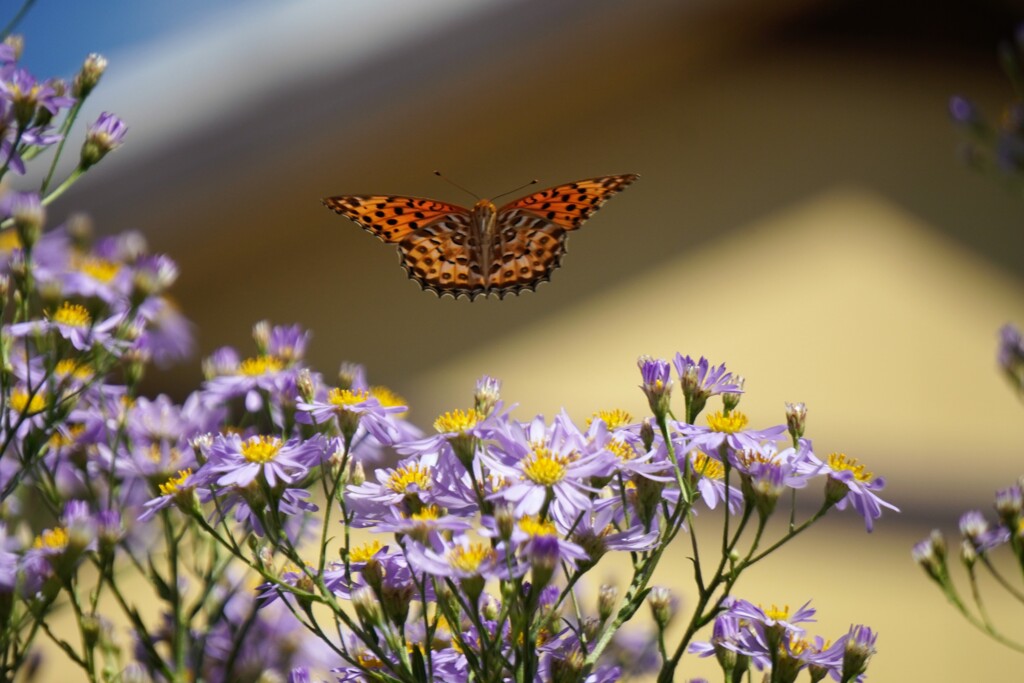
x: 485, y: 209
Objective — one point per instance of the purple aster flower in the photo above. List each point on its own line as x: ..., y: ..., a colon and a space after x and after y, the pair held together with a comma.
x: 859, y: 647
x: 547, y: 470
x: 729, y: 429
x: 8, y: 562
x: 92, y: 275
x: 353, y: 408
x: 102, y: 137
x: 233, y: 461
x: 711, y: 486
x: 410, y: 488
x: 460, y: 558
x: 981, y: 534
x: 27, y: 95
x: 596, y: 532
x: 700, y: 381
x: 177, y: 490
x: 287, y: 342
x: 851, y: 483
x: 74, y: 323
x: 167, y: 335
x: 250, y: 376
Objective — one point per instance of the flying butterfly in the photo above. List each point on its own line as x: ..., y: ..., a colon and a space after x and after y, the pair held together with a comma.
x: 449, y: 249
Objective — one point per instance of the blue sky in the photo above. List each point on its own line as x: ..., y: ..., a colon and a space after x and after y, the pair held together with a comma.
x: 60, y: 33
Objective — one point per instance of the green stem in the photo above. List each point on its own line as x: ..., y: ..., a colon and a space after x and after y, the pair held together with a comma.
x: 16, y: 19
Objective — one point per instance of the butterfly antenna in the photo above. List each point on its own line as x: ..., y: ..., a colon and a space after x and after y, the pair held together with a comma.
x: 452, y: 182
x: 532, y: 182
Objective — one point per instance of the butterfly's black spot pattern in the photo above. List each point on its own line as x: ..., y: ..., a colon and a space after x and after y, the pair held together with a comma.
x: 419, y: 214
x: 413, y: 225
x: 392, y: 221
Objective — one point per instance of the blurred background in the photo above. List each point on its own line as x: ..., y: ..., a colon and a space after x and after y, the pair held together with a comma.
x: 802, y: 215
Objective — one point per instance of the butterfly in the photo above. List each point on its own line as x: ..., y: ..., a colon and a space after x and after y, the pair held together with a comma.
x: 449, y: 249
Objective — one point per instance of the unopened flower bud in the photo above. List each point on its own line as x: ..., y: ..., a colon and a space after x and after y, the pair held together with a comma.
x: 307, y: 390
x: 647, y: 434
x: 731, y: 399
x: 656, y: 375
x: 968, y: 554
x: 367, y: 607
x: 1010, y: 505
x: 89, y: 625
x: 544, y: 556
x: 796, y: 419
x: 488, y: 393
x: 28, y: 214
x: 591, y: 628
x: 135, y: 673
x: 491, y: 608
x: 396, y: 598
x: 357, y: 475
x: 567, y: 670
x: 931, y: 555
x: 79, y: 228
x: 261, y: 335
x: 663, y: 605
x: 348, y: 373
x: 607, y: 599
x: 17, y: 45
x: 505, y: 521
x: 103, y: 137
x: 89, y: 76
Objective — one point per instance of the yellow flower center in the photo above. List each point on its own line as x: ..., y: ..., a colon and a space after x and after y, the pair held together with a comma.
x: 52, y: 539
x: 612, y: 418
x: 706, y: 466
x: 74, y: 315
x: 534, y: 526
x: 72, y: 368
x: 456, y: 421
x: 364, y: 552
x: 261, y: 449
x: 404, y: 477
x: 9, y: 241
x: 544, y: 467
x: 21, y: 403
x: 776, y: 613
x: 839, y: 461
x: 730, y: 424
x: 388, y: 398
x: 368, y: 660
x: 261, y: 365
x: 342, y: 398
x: 469, y: 558
x: 174, y: 484
x: 99, y: 269
x: 622, y: 450
x: 61, y: 439
x: 427, y: 513
x: 750, y: 457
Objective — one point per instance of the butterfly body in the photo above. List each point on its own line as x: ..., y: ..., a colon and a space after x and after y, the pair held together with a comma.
x: 449, y: 249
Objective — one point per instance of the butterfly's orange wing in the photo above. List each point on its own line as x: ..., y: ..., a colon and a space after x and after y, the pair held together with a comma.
x: 393, y: 218
x: 433, y: 238
x: 530, y: 232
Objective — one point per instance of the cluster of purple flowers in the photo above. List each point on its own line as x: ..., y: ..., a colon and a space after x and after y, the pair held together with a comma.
x: 745, y: 634
x: 239, y: 506
x: 486, y: 500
